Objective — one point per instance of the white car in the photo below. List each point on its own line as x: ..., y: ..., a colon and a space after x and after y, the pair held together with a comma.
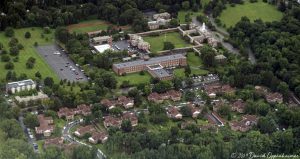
x: 56, y: 53
x: 31, y: 136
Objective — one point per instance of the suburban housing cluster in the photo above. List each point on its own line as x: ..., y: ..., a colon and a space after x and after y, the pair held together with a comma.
x: 123, y: 101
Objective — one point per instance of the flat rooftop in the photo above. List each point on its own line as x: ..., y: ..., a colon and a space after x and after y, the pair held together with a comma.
x: 102, y: 48
x: 160, y: 73
x: 20, y: 83
x: 151, y: 61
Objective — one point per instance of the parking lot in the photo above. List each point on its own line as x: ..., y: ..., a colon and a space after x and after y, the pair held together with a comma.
x: 61, y: 63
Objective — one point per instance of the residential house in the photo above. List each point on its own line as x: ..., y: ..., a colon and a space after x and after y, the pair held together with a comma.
x: 159, y: 98
x: 239, y: 106
x: 155, y: 97
x: 57, y: 142
x: 69, y: 113
x: 131, y: 117
x: 46, y: 126
x: 173, y: 113
x: 110, y: 121
x: 81, y: 131
x: 274, y: 97
x: 108, y: 103
x: 125, y: 102
x: 98, y: 137
x: 194, y: 111
x: 245, y: 124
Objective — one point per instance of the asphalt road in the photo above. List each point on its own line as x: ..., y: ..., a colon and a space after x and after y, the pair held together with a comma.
x: 61, y: 63
x: 67, y: 136
x: 30, y: 140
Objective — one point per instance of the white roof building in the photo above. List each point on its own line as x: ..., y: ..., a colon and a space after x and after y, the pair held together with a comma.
x: 102, y: 48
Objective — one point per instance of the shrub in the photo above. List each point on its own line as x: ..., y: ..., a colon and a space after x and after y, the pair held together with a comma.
x: 36, y: 44
x: 5, y: 58
x: 9, y: 32
x: 9, y: 66
x: 47, y: 30
x: 20, y: 46
x: 27, y: 35
x: 14, y: 51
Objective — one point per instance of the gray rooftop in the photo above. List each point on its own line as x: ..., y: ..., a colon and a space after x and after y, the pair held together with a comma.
x: 151, y: 61
x: 20, y: 83
x: 160, y: 73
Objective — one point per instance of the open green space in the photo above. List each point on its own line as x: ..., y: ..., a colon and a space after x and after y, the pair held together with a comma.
x: 259, y: 10
x: 29, y: 51
x: 181, y: 15
x: 157, y: 42
x: 134, y: 78
x: 196, y: 65
x: 92, y: 25
x: 88, y: 26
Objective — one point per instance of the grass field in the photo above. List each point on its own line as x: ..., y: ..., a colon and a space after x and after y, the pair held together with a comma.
x: 29, y: 51
x: 259, y: 10
x: 91, y: 25
x: 181, y: 15
x: 195, y: 64
x: 134, y: 78
x: 157, y: 42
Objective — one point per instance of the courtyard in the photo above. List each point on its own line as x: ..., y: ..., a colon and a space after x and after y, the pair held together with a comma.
x: 157, y: 42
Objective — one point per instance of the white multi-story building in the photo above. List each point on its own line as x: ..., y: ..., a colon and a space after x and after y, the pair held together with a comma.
x: 14, y: 87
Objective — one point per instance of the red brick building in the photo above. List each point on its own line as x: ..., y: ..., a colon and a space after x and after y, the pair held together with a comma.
x: 140, y: 65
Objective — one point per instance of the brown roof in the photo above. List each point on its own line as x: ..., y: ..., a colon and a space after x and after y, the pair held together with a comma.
x: 239, y: 104
x: 44, y: 123
x: 107, y: 103
x: 218, y: 88
x: 154, y: 96
x: 174, y: 94
x: 99, y: 135
x: 129, y: 116
x: 274, y: 96
x: 85, y: 129
x: 123, y: 100
x: 173, y: 111
x: 193, y: 108
x: 58, y: 141
x: 112, y: 121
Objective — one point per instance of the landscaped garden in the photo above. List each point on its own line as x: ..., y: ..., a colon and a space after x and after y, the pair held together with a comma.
x: 258, y: 10
x: 157, y: 42
x: 19, y: 60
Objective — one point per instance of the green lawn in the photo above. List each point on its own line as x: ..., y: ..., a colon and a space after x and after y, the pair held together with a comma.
x: 134, y: 78
x: 88, y: 26
x: 259, y: 10
x: 194, y: 60
x: 182, y: 13
x: 157, y: 42
x: 195, y: 63
x: 92, y: 25
x: 29, y: 51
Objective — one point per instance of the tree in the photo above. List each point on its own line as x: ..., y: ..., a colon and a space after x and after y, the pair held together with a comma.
x: 266, y: 125
x: 224, y: 110
x: 208, y: 56
x: 31, y: 120
x: 187, y: 70
x: 168, y: 45
x: 38, y: 75
x: 14, y: 51
x: 9, y: 32
x: 84, y: 152
x: 185, y: 5
x: 27, y: 35
x: 189, y: 95
x: 126, y: 126
x: 173, y: 23
x: 162, y: 86
x: 5, y: 58
x: 48, y: 81
x: 9, y: 66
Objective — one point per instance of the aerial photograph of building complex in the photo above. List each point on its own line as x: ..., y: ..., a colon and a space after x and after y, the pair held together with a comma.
x: 176, y: 79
